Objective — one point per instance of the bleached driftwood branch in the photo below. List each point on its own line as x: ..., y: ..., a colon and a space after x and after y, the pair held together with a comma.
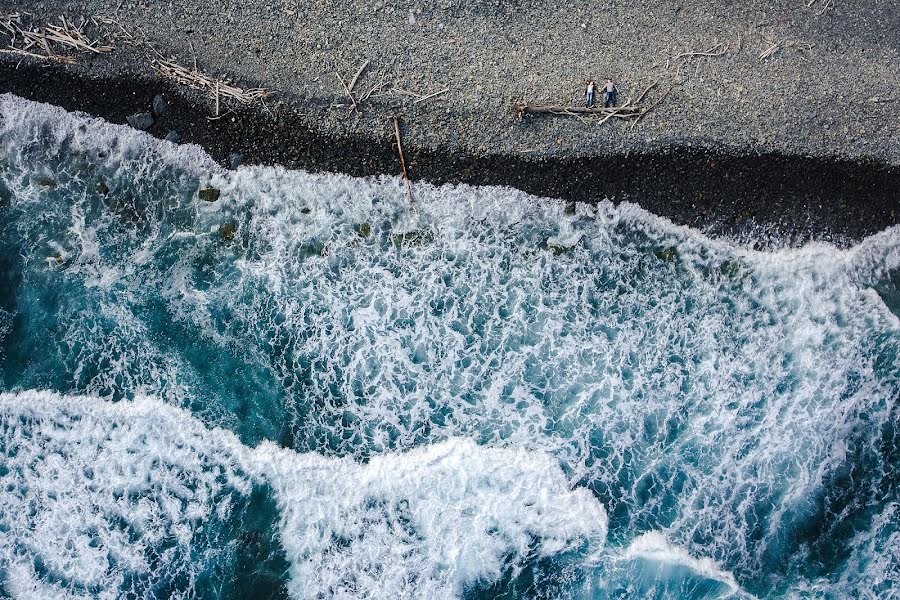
x: 41, y: 42
x: 216, y: 87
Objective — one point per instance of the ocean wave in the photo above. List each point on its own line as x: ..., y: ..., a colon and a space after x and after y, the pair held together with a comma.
x: 740, y: 403
x: 131, y: 498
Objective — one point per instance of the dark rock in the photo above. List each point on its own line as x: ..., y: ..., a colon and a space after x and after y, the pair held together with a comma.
x: 209, y: 194
x: 364, y: 230
x: 226, y: 231
x: 416, y: 237
x: 667, y: 254
x: 159, y: 105
x: 172, y: 136
x: 305, y: 211
x: 235, y: 159
x: 46, y: 182
x: 101, y: 187
x: 142, y: 121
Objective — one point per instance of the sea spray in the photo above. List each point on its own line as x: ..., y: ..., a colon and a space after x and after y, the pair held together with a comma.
x: 739, y: 405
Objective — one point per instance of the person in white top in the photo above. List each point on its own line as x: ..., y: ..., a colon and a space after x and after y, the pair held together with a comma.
x: 589, y: 96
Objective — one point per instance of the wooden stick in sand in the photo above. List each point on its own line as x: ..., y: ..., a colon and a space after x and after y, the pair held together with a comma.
x: 355, y: 77
x: 403, y: 160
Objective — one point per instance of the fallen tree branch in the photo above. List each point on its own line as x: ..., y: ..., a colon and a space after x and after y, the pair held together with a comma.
x: 402, y: 160
x: 623, y: 112
x: 647, y: 89
x: 652, y: 106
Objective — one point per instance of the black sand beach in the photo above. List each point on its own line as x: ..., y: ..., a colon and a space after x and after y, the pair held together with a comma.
x: 802, y: 144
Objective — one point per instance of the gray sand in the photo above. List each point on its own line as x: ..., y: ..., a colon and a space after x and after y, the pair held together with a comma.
x: 840, y: 98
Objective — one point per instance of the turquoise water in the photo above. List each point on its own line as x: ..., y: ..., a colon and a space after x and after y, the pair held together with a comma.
x: 306, y: 389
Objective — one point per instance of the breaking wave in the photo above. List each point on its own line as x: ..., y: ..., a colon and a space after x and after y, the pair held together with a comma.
x: 305, y: 387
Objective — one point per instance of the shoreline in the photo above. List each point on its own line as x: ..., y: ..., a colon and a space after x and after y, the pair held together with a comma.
x: 769, y: 199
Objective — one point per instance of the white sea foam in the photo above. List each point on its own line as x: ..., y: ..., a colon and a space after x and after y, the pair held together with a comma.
x: 95, y: 494
x: 653, y: 546
x: 429, y: 523
x: 99, y: 493
x: 701, y: 389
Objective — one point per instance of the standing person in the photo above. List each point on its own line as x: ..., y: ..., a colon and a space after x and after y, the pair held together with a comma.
x: 609, y: 96
x: 589, y: 96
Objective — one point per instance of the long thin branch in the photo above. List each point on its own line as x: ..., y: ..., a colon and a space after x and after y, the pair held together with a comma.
x: 711, y: 52
x: 429, y: 96
x: 402, y: 160
x: 346, y: 89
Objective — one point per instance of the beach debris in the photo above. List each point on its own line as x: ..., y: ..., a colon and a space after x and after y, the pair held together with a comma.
x: 347, y: 89
x: 630, y: 109
x: 142, y: 121
x: 823, y: 5
x: 403, y: 161
x: 356, y: 77
x: 775, y: 46
x: 433, y: 95
x: 49, y: 41
x: 216, y: 87
x: 716, y: 50
x: 619, y: 112
x: 417, y: 97
x: 209, y: 194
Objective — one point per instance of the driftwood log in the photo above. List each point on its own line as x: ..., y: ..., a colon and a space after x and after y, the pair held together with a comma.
x: 630, y: 109
x: 620, y: 112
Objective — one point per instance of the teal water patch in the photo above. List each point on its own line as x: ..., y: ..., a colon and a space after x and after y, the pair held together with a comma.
x: 732, y: 411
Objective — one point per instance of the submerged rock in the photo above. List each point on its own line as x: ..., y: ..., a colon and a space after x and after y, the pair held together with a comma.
x: 46, y: 182
x: 226, y: 231
x: 142, y: 121
x: 731, y: 269
x: 559, y: 250
x: 172, y: 136
x: 209, y: 194
x: 364, y: 230
x: 101, y: 187
x: 668, y: 254
x: 235, y: 159
x: 416, y: 237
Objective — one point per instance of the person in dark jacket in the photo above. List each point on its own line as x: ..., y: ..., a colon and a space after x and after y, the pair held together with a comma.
x: 609, y: 94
